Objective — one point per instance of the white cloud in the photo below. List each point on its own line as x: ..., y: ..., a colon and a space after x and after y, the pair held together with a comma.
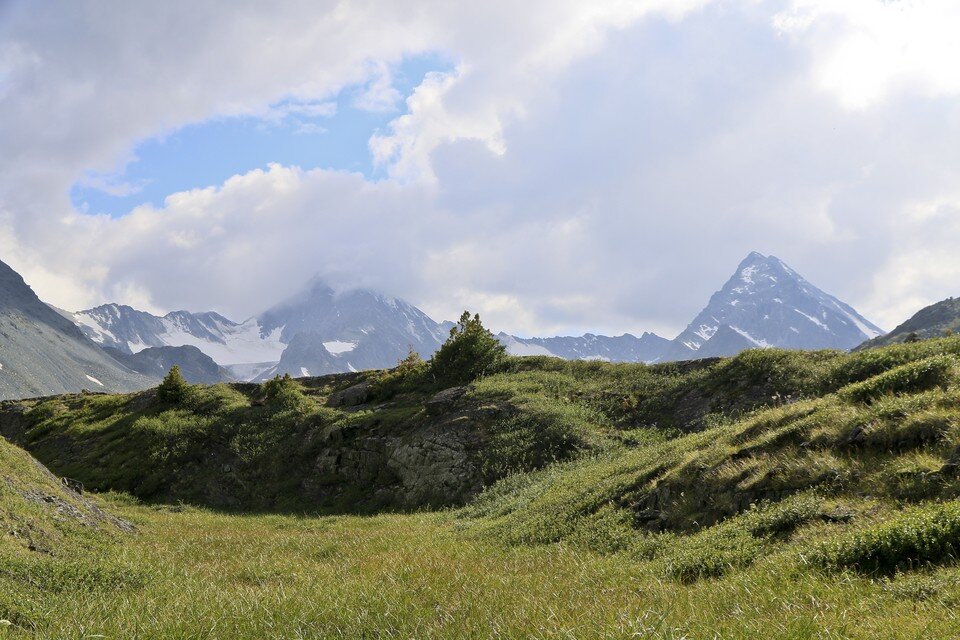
x: 585, y: 166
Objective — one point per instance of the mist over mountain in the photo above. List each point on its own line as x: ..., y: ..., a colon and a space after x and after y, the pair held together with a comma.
x: 320, y: 330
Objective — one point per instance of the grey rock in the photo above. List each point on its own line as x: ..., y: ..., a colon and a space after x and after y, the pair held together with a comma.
x: 444, y: 400
x: 195, y: 365
x: 351, y: 396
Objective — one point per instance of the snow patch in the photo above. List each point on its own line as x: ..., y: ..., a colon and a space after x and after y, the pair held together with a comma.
x: 815, y: 321
x: 304, y: 372
x: 760, y: 343
x: 94, y: 380
x: 336, y: 347
x: 864, y: 328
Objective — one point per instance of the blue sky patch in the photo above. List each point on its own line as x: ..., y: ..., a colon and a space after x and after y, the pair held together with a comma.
x: 331, y: 134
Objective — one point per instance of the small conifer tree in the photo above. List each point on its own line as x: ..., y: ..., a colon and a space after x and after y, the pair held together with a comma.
x: 471, y: 351
x: 174, y: 388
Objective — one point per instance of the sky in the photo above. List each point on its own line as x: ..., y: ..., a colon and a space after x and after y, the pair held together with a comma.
x: 558, y: 167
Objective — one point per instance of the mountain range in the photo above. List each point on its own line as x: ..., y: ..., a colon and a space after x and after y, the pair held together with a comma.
x: 765, y: 303
x: 320, y: 330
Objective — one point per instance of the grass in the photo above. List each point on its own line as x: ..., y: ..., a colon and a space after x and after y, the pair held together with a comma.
x: 209, y: 575
x: 776, y: 494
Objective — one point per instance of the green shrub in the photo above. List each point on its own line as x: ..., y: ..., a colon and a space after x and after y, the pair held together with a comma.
x: 471, y: 351
x: 911, y: 377
x: 711, y: 553
x: 607, y: 530
x: 782, y: 518
x: 914, y: 430
x: 918, y: 537
x: 539, y: 432
x: 174, y: 388
x: 409, y: 375
x: 285, y: 394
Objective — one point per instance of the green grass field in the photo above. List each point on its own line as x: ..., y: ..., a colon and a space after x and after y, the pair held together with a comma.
x: 775, y: 494
x: 196, y: 574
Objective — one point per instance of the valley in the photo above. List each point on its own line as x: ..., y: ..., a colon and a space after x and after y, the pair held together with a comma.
x: 804, y: 494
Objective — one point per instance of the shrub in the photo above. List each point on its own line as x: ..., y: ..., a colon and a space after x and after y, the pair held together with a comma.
x: 285, y: 394
x: 471, y: 351
x: 408, y: 375
x: 911, y: 377
x: 917, y: 537
x: 711, y: 553
x: 542, y: 431
x: 174, y: 388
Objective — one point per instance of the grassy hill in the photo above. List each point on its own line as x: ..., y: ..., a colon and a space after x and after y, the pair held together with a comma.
x: 795, y: 494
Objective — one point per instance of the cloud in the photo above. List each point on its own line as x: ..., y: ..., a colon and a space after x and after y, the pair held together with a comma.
x: 584, y: 166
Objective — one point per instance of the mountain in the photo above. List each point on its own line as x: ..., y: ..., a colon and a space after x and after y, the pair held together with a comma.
x: 626, y: 348
x: 228, y: 343
x: 328, y: 331
x: 933, y: 321
x: 43, y: 353
x: 315, y: 332
x: 768, y: 304
x: 195, y: 365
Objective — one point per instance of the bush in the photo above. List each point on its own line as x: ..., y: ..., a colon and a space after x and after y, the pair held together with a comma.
x: 471, y: 351
x: 911, y: 377
x: 711, y: 553
x: 174, y: 388
x: 919, y: 536
x: 285, y: 394
x: 408, y: 375
x: 542, y: 431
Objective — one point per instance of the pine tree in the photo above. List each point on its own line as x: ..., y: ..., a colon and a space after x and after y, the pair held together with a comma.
x: 174, y: 388
x: 471, y: 351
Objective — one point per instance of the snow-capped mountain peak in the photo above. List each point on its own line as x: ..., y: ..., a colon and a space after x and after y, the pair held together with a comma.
x: 767, y: 303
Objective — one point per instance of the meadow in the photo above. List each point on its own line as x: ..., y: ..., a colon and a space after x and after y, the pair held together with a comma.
x: 774, y: 494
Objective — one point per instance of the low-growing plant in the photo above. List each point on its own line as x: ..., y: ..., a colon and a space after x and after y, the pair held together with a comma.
x: 284, y: 393
x: 935, y: 371
x: 920, y: 536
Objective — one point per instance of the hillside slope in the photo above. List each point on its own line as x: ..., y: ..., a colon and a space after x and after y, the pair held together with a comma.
x: 800, y: 490
x: 42, y: 353
x: 934, y: 321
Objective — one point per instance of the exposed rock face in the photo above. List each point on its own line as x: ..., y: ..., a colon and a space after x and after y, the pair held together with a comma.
x: 351, y: 396
x: 444, y: 400
x: 430, y: 466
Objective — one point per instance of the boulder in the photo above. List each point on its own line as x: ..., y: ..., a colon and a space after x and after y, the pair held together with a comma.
x: 443, y: 400
x: 351, y: 396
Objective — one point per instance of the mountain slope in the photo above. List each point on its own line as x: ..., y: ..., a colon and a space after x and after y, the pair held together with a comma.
x: 649, y: 347
x: 43, y: 353
x: 768, y: 304
x: 228, y: 343
x: 315, y: 332
x: 933, y: 321
x: 195, y: 365
x: 328, y: 331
